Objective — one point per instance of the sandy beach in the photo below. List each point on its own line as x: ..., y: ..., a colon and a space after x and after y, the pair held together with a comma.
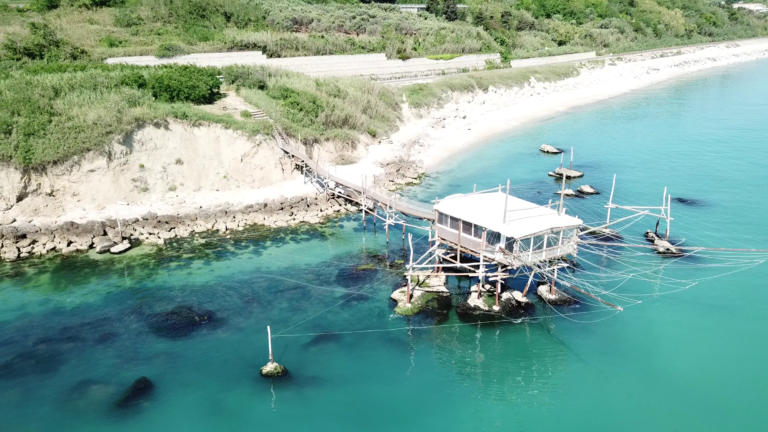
x: 233, y: 172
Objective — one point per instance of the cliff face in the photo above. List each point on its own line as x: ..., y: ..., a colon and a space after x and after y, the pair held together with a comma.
x: 153, y: 163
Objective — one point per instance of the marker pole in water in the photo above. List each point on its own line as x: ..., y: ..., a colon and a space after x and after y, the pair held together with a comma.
x: 571, y: 166
x: 561, y: 159
x: 269, y: 334
x: 669, y: 215
x: 610, y: 201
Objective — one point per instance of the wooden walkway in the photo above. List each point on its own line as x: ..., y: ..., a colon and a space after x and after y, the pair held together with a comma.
x: 356, y: 192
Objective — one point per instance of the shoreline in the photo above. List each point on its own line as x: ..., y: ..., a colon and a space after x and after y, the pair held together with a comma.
x: 265, y: 189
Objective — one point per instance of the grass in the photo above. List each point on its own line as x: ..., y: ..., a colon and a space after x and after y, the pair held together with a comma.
x: 437, y: 93
x: 51, y: 117
x: 444, y: 56
x: 319, y: 109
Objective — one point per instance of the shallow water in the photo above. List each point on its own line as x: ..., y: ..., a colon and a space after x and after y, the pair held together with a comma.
x: 689, y: 360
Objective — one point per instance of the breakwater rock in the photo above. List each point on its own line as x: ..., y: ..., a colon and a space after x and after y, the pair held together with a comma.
x: 23, y: 239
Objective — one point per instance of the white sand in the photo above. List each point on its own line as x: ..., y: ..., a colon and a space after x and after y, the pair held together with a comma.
x: 221, y: 168
x: 477, y: 118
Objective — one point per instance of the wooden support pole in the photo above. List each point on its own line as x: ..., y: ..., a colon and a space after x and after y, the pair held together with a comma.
x: 525, y: 291
x: 386, y: 228
x: 552, y: 287
x: 410, y: 265
x: 269, y: 335
x: 498, y: 290
x: 619, y: 308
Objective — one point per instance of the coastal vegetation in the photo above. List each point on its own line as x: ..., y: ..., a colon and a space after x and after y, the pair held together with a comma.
x: 58, y: 99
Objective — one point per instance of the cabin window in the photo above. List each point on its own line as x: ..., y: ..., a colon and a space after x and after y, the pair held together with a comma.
x: 447, y: 221
x: 538, y: 242
x: 443, y: 219
x: 553, y: 240
x: 492, y: 237
x: 510, y: 244
x: 466, y: 228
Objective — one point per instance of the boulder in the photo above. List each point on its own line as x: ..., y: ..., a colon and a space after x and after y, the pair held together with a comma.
x: 179, y: 322
x: 566, y: 193
x: 10, y: 253
x: 118, y: 249
x: 515, y: 306
x: 587, y: 190
x: 549, y: 149
x: 103, y: 244
x: 136, y: 393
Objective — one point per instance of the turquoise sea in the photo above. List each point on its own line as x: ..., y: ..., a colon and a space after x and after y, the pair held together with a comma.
x: 74, y: 333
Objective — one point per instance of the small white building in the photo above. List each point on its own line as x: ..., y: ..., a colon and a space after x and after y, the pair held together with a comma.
x: 415, y: 8
x: 754, y: 7
x: 506, y: 229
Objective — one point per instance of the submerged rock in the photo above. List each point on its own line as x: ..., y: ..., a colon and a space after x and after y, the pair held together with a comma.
x: 136, y: 393
x: 179, y: 322
x: 587, y: 190
x: 40, y: 360
x: 273, y: 370
x: 355, y: 276
x: 549, y: 149
x: 687, y: 201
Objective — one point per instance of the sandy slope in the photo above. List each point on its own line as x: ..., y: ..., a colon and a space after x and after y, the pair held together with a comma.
x: 188, y: 168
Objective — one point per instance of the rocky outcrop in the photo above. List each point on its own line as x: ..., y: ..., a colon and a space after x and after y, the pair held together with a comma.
x: 273, y: 370
x: 399, y: 173
x: 118, y: 249
x: 549, y: 149
x: 662, y: 247
x: 587, y: 190
x: 512, y: 304
x: 138, y: 392
x: 568, y: 173
x: 553, y: 296
x: 566, y: 193
x: 22, y: 239
x: 428, y: 294
x: 179, y: 322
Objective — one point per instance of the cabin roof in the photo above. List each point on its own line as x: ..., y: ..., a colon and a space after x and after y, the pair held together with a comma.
x: 524, y: 218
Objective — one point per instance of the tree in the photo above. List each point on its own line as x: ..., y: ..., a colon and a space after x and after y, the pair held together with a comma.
x: 433, y: 7
x: 451, y: 10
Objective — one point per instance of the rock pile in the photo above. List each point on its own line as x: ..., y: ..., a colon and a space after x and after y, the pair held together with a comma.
x: 20, y: 240
x: 401, y: 172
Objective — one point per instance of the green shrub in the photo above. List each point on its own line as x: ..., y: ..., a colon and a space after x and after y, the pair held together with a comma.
x: 127, y: 18
x: 44, y: 5
x: 110, y: 41
x: 184, y: 84
x: 302, y: 107
x: 245, y: 114
x: 169, y: 50
x: 92, y: 4
x: 41, y: 43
